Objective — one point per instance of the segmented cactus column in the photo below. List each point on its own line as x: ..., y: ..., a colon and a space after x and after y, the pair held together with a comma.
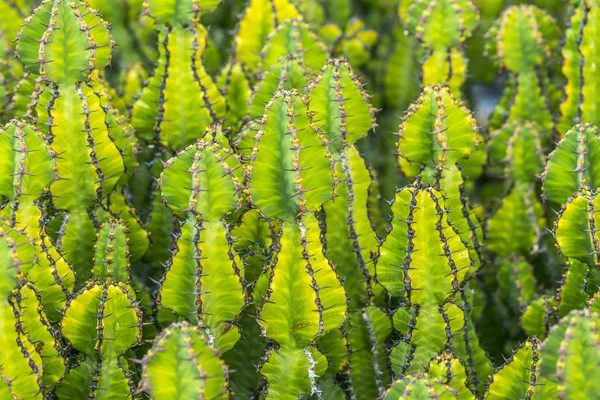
x: 339, y: 108
x: 439, y: 139
x: 103, y: 321
x: 179, y: 101
x: 442, y: 26
x: 581, y: 104
x: 182, y: 365
x: 24, y: 181
x: 424, y: 262
x: 32, y: 361
x: 521, y: 41
x: 291, y: 175
x: 93, y: 152
x: 203, y: 282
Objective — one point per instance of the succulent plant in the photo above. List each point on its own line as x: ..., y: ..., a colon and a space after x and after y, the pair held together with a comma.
x: 193, y: 199
x: 521, y: 41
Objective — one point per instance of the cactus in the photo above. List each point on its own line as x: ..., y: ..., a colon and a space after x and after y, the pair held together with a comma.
x: 26, y: 179
x: 291, y: 175
x: 575, y: 230
x: 520, y: 41
x: 456, y: 138
x: 102, y: 322
x: 579, y: 105
x: 441, y: 27
x: 181, y: 353
x: 429, y: 273
x: 518, y: 378
x: 354, y: 43
x: 420, y: 386
x: 260, y: 18
x: 74, y: 116
x: 162, y: 114
x: 201, y: 183
x: 572, y: 165
x: 556, y: 369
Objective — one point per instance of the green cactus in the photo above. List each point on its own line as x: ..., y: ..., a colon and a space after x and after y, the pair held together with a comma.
x: 260, y: 19
x: 22, y: 366
x: 520, y: 42
x: 201, y: 182
x: 25, y: 180
x: 102, y: 322
x: 455, y: 139
x: 163, y: 114
x: 181, y: 354
x: 290, y: 171
x: 441, y: 26
x: 575, y: 230
x: 572, y: 166
x: 515, y: 152
x: 580, y: 104
x: 355, y: 42
x: 420, y: 386
x: 287, y: 73
x: 569, y: 358
x: 75, y: 116
x: 293, y: 37
x: 517, y: 225
x: 518, y: 377
x: 429, y: 273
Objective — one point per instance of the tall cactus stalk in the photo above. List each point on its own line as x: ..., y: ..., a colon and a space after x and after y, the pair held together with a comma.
x: 73, y: 115
x: 290, y: 172
x: 202, y: 282
x: 424, y: 262
x: 580, y: 104
x: 25, y: 182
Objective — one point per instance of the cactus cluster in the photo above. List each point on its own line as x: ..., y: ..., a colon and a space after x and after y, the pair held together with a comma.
x: 299, y: 199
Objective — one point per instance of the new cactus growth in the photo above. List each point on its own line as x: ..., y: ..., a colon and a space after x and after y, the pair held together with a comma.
x: 450, y: 137
x: 573, y: 165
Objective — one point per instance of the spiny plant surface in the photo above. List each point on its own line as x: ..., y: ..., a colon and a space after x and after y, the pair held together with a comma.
x: 299, y: 199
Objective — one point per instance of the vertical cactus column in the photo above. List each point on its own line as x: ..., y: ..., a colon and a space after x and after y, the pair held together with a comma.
x: 202, y: 282
x: 424, y: 262
x: 30, y: 358
x: 92, y: 150
x: 339, y: 107
x: 164, y: 114
x: 521, y: 41
x: 442, y: 26
x: 439, y: 139
x: 24, y: 186
x: 564, y: 366
x: 581, y: 104
x: 290, y: 172
x: 102, y: 322
x: 179, y: 101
